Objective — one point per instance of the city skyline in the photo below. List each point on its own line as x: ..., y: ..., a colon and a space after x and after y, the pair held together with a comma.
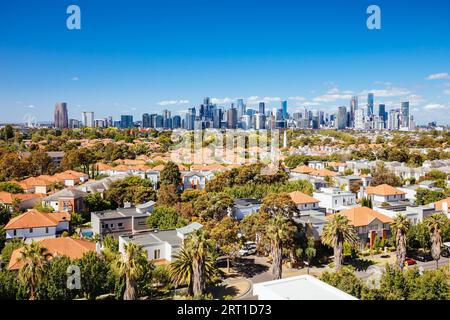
x: 159, y: 56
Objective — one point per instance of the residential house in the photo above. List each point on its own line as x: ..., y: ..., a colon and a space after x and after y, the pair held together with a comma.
x: 314, y: 221
x: 369, y: 224
x: 66, y: 200
x: 34, y: 224
x: 316, y: 165
x: 384, y: 193
x: 245, y: 207
x: 193, y: 180
x: 122, y: 220
x: 335, y: 199
x: 22, y: 200
x: 161, y: 245
x: 304, y: 202
x: 62, y: 246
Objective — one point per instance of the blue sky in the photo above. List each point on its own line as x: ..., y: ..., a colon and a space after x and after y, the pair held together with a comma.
x: 132, y: 57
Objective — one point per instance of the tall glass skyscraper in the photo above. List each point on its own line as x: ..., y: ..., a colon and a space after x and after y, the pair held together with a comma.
x: 405, y: 114
x: 126, y: 121
x: 60, y: 116
x: 284, y: 109
x: 370, y: 104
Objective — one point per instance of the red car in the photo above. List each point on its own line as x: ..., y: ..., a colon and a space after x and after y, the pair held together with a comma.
x: 410, y: 262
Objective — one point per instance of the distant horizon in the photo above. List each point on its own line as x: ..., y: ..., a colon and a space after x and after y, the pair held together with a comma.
x: 140, y: 57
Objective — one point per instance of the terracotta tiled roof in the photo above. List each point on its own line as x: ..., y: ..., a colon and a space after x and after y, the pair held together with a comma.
x: 35, y: 219
x: 301, y: 198
x: 158, y: 168
x: 438, y: 204
x: 7, y: 197
x: 323, y: 173
x: 65, y: 246
x: 384, y: 190
x: 207, y: 167
x: 303, y: 169
x: 363, y: 216
x: 103, y: 166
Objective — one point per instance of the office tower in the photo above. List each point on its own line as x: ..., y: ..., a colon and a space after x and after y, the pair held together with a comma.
x: 176, y: 122
x: 405, y: 115
x: 279, y: 115
x: 232, y: 118
x: 284, y: 109
x: 262, y: 108
x: 87, y: 117
x: 152, y: 120
x: 246, y: 122
x: 370, y: 104
x: 145, y: 120
x: 100, y: 123
x: 353, y: 108
x: 74, y: 124
x: 217, y: 118
x: 207, y: 101
x: 159, y: 122
x: 341, y: 122
x: 110, y: 121
x: 240, y: 108
x: 190, y: 119
x: 315, y: 122
x: 126, y: 121
x: 167, y: 119
x: 382, y: 111
x: 360, y: 116
x: 260, y: 121
x: 394, y: 119
x: 60, y: 116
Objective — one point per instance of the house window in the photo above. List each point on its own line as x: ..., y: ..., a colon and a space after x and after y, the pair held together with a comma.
x: 15, y: 232
x: 46, y: 229
x: 157, y: 254
x: 120, y: 225
x: 31, y: 230
x: 112, y: 225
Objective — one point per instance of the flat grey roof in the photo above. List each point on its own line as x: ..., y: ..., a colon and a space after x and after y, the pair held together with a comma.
x: 153, y: 237
x: 120, y: 213
x: 194, y: 226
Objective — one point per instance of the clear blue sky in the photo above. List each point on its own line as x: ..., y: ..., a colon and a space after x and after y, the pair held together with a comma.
x: 132, y: 57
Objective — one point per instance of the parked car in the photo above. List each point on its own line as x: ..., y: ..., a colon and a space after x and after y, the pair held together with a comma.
x: 410, y: 262
x: 445, y: 252
x: 248, y: 249
x: 423, y: 257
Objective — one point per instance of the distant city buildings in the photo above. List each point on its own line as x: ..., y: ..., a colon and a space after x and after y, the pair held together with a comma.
x: 61, y: 116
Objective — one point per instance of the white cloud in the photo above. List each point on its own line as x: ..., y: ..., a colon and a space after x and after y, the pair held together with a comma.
x: 75, y: 78
x: 388, y: 92
x: 438, y: 76
x: 435, y: 106
x: 221, y: 100
x: 172, y: 102
x: 31, y: 106
x: 297, y: 98
x: 447, y: 91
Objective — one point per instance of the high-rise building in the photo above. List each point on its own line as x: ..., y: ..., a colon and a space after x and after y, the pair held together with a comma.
x: 262, y: 108
x: 394, y: 119
x: 382, y: 111
x: 353, y: 108
x: 87, y: 117
x: 61, y: 117
x: 232, y: 118
x: 159, y: 122
x: 126, y: 121
x: 360, y: 119
x: 370, y: 104
x: 176, y: 122
x: 260, y: 121
x: 341, y: 122
x: 145, y: 120
x: 74, y: 123
x: 284, y: 109
x: 190, y: 119
x: 240, y: 108
x: 405, y: 115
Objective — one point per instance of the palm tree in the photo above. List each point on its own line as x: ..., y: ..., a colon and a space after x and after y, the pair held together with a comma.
x: 400, y: 225
x: 335, y: 233
x: 194, y: 265
x: 279, y: 231
x: 131, y: 265
x: 436, y: 223
x: 34, y: 259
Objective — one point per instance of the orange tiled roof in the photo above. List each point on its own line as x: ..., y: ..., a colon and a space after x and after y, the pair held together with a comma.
x: 7, y: 197
x: 323, y: 173
x: 438, y: 204
x: 34, y: 219
x: 207, y: 167
x: 363, y: 216
x: 301, y: 198
x: 158, y: 167
x: 65, y: 246
x: 384, y: 190
x: 103, y: 166
x: 303, y: 169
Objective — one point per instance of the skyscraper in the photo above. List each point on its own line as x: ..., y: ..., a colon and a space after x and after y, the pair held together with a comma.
x: 341, y: 122
x: 262, y: 108
x: 353, y: 108
x: 126, y: 121
x: 232, y: 118
x: 87, y: 117
x: 382, y: 111
x: 240, y: 108
x: 61, y: 117
x: 405, y: 114
x: 176, y: 122
x: 190, y: 119
x: 370, y: 104
x: 145, y: 120
x: 284, y: 109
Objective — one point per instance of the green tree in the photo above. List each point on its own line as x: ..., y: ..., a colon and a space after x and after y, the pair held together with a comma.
x: 11, y: 187
x: 170, y: 175
x: 131, y: 189
x: 131, y: 265
x: 381, y: 175
x: 34, y: 259
x: 436, y: 223
x: 280, y: 228
x: 345, y: 280
x: 426, y: 196
x: 213, y: 206
x: 95, y: 202
x: 400, y: 226
x: 335, y: 232
x: 167, y: 195
x: 165, y: 218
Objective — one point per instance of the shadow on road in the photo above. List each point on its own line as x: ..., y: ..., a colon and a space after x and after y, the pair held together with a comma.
x: 360, y: 264
x: 248, y: 267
